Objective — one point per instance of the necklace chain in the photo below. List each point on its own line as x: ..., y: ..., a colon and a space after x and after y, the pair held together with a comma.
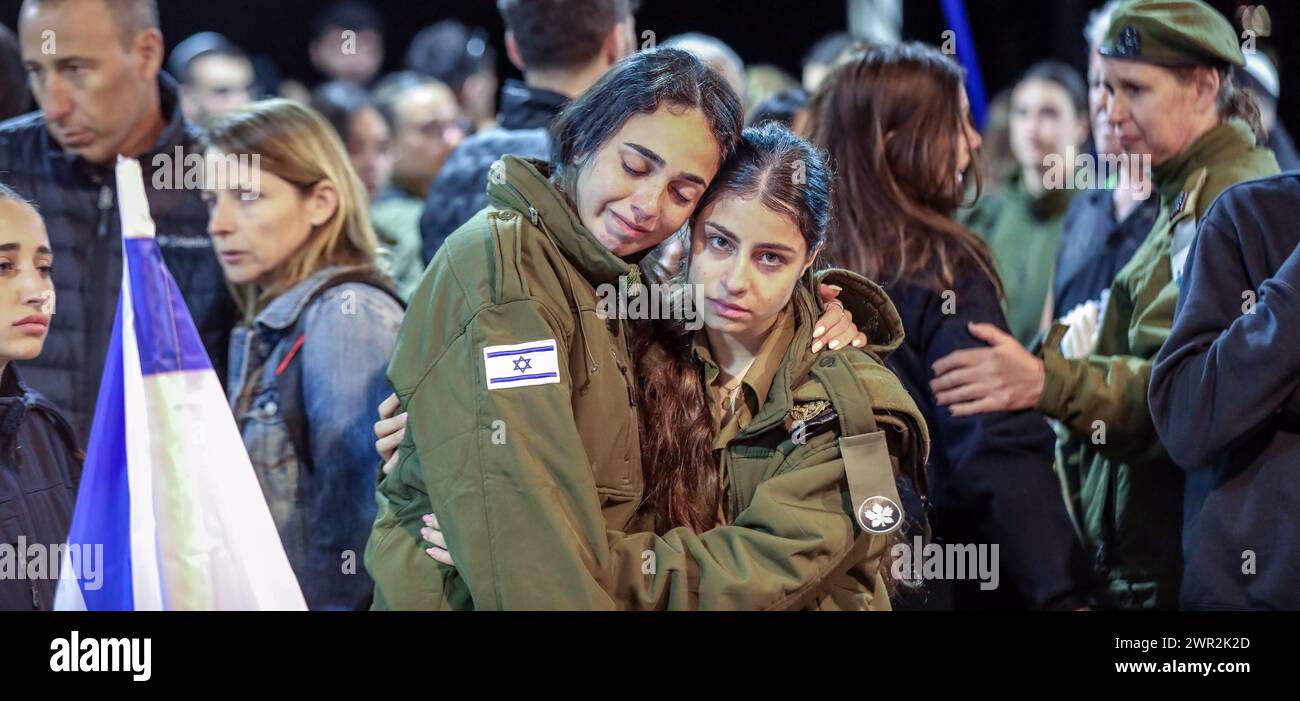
x: 732, y: 392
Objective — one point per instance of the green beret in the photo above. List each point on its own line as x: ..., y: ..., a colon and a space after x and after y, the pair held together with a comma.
x: 1171, y: 33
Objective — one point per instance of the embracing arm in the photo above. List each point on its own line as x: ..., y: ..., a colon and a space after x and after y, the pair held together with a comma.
x: 1105, y: 394
x: 1000, y: 463
x: 797, y: 532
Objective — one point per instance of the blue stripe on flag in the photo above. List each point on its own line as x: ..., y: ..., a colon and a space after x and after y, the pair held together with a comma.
x: 524, y: 377
x: 525, y: 351
x: 165, y: 344
x: 103, y: 511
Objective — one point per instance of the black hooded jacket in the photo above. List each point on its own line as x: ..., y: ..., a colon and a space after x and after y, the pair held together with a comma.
x: 39, y: 468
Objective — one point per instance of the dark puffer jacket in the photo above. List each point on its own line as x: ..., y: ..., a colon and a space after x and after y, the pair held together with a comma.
x: 460, y: 190
x: 78, y: 203
x: 39, y: 469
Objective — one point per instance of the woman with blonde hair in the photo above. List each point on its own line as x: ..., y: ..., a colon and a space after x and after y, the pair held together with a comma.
x: 293, y: 236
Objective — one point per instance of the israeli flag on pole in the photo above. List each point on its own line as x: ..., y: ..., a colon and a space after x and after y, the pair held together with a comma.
x: 167, y: 488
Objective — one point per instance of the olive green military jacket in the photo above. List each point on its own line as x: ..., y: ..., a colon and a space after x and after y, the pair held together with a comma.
x: 556, y: 459
x: 522, y: 414
x: 1127, y: 493
x: 833, y: 432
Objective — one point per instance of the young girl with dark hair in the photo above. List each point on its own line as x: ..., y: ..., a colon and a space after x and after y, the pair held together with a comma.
x: 758, y: 455
x: 523, y: 411
x: 896, y: 122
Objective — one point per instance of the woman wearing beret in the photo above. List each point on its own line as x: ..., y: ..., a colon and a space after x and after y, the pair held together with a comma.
x: 1167, y: 68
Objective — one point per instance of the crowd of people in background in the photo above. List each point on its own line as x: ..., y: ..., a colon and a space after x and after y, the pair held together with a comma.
x: 1093, y: 378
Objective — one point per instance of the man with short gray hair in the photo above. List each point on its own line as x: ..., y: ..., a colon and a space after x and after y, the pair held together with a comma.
x: 94, y: 67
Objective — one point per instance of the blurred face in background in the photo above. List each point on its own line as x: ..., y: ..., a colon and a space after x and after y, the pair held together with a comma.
x: 478, y: 96
x: 370, y: 149
x: 97, y: 89
x: 345, y: 54
x: 1103, y: 134
x: 26, y: 289
x: 217, y: 84
x: 1044, y: 122
x: 429, y: 126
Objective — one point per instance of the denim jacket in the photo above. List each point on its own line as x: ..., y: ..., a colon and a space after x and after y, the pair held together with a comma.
x: 323, y: 516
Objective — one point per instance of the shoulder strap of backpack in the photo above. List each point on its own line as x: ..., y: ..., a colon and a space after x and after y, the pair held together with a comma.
x: 863, y: 446
x: 288, y: 375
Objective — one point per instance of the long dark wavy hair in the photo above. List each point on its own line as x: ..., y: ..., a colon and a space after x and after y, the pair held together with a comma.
x: 890, y: 117
x: 789, y: 176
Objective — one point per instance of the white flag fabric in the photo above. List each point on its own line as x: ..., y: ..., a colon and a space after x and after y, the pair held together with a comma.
x: 167, y: 494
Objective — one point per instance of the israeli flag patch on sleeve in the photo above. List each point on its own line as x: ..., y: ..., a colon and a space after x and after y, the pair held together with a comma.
x: 521, y: 365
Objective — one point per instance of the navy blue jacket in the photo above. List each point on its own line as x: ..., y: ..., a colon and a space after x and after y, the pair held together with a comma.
x: 460, y: 190
x: 1283, y: 148
x: 990, y: 476
x: 1094, y: 246
x: 79, y: 204
x: 1225, y: 399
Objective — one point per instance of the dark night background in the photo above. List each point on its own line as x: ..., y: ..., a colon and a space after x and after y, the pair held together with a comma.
x: 1009, y: 34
